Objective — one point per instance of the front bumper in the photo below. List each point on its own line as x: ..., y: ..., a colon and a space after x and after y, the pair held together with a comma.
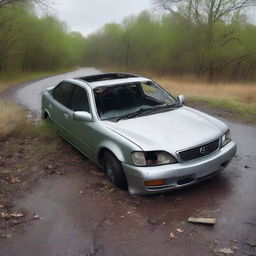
x: 178, y: 175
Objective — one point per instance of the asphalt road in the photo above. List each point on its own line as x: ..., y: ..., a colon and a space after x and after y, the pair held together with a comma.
x: 29, y: 94
x: 111, y: 222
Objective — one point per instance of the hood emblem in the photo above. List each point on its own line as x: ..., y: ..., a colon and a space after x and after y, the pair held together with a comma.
x: 203, y: 150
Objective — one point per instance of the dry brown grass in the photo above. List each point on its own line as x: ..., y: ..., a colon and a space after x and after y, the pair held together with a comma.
x: 193, y: 87
x: 4, y: 85
x: 12, y: 117
x: 243, y: 93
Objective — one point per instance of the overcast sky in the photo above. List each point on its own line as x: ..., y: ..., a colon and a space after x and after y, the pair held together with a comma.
x: 86, y: 16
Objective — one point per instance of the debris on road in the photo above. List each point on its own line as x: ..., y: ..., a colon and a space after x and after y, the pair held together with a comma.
x: 7, y: 236
x: 179, y: 230
x: 206, y: 221
x: 172, y: 235
x: 8, y: 216
x: 224, y: 251
x: 17, y: 215
x: 36, y: 216
x: 50, y: 167
x: 5, y: 215
x: 1, y: 206
x: 247, y: 167
x: 252, y: 243
x: 14, y: 180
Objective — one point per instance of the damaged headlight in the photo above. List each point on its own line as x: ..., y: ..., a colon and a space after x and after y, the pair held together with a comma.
x: 226, y: 138
x: 152, y: 158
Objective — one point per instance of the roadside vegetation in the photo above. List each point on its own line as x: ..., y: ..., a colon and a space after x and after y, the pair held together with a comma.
x: 32, y: 44
x: 167, y: 46
x: 8, y: 79
x: 204, y: 49
x: 238, y: 99
x: 12, y: 117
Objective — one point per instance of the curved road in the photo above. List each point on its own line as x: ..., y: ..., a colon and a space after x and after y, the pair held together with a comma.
x: 119, y: 224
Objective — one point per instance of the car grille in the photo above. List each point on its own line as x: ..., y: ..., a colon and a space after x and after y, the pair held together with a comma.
x: 198, y: 152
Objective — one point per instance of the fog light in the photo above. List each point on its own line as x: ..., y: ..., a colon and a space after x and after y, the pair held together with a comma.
x: 152, y: 183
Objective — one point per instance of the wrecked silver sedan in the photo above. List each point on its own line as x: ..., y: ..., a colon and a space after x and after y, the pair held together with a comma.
x: 145, y: 139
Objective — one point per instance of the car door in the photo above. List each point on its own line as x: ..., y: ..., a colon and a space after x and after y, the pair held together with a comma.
x: 60, y: 109
x: 81, y: 131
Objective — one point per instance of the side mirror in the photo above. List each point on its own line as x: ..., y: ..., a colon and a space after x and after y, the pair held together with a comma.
x: 82, y: 116
x: 181, y: 99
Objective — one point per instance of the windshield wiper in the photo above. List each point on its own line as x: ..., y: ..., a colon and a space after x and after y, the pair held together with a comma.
x: 144, y: 110
x: 167, y: 106
x: 136, y: 113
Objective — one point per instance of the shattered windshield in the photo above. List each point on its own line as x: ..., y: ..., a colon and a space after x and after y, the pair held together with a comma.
x: 123, y: 100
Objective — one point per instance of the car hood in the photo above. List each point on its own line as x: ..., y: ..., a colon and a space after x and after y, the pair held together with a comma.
x: 170, y: 131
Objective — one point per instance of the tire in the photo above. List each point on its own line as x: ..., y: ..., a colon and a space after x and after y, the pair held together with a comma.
x: 113, y: 169
x: 46, y: 117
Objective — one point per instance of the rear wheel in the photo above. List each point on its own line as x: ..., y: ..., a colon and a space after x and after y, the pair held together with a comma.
x: 45, y: 116
x: 113, y: 169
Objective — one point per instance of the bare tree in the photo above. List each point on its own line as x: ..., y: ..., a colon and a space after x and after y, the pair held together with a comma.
x: 207, y: 13
x: 5, y: 3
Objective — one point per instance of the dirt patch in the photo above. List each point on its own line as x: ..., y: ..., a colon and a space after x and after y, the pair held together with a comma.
x: 25, y: 159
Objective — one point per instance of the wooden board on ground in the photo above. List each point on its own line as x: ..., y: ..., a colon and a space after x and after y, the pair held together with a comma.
x: 206, y: 221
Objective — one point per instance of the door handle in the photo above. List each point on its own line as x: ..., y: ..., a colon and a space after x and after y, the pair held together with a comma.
x: 50, y: 106
x: 66, y: 116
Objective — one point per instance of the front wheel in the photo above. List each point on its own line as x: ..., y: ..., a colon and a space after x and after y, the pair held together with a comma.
x: 113, y: 169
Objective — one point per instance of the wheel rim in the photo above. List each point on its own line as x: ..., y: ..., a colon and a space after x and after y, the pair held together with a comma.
x: 109, y: 171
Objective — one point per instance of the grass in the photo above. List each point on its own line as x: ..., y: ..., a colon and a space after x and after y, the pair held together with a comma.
x: 8, y: 79
x: 12, y: 118
x: 13, y: 121
x: 238, y: 98
x: 14, y: 124
x: 243, y: 93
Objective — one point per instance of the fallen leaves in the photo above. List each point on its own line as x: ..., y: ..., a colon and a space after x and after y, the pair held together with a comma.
x: 6, y: 236
x: 12, y: 180
x: 5, y: 215
x: 17, y: 215
x: 50, y: 167
x: 224, y: 251
x: 172, y: 235
x: 36, y: 217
